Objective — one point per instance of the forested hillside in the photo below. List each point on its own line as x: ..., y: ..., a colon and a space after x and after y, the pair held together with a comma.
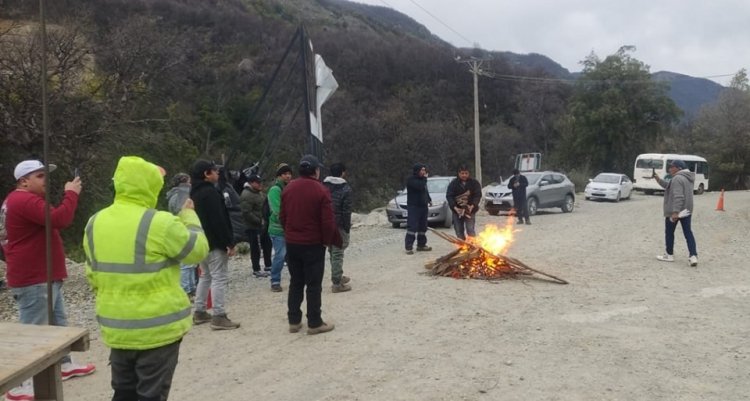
x: 174, y: 80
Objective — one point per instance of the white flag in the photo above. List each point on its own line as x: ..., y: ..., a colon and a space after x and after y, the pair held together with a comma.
x: 325, y: 85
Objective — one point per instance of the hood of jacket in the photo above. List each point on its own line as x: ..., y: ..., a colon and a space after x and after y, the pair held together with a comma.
x: 416, y: 168
x: 182, y: 188
x: 687, y: 174
x: 334, y: 180
x: 137, y: 181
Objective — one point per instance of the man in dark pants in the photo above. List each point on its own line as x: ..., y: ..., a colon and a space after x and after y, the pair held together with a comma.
x: 309, y: 225
x: 518, y: 184
x: 417, y: 203
x: 251, y: 204
x: 463, y: 196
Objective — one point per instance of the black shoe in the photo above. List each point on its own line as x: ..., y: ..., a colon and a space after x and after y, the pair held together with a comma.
x: 528, y: 223
x: 424, y: 248
x: 409, y: 252
x: 267, y: 268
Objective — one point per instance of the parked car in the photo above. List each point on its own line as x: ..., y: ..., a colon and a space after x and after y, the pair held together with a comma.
x: 611, y: 186
x: 546, y: 189
x: 439, y: 213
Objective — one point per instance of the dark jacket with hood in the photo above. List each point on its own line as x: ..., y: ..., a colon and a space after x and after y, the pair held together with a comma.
x: 416, y: 189
x: 341, y: 197
x: 209, y: 205
x: 464, y: 193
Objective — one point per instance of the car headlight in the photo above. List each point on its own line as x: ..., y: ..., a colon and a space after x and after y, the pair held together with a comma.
x: 392, y: 203
x: 438, y: 204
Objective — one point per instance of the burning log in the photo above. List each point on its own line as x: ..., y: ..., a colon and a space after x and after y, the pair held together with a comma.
x: 471, y: 260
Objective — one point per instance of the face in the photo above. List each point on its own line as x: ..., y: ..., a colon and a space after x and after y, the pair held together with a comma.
x: 463, y: 175
x: 423, y: 172
x: 286, y: 177
x: 35, y: 182
x: 673, y: 170
x: 255, y: 185
x: 212, y: 175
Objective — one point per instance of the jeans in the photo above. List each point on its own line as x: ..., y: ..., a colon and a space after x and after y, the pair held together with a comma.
x: 670, y: 226
x: 259, y: 240
x: 216, y: 277
x: 464, y: 224
x: 187, y: 278
x: 32, y: 306
x: 306, y: 267
x: 416, y: 226
x: 337, y: 257
x: 279, y: 255
x: 143, y: 375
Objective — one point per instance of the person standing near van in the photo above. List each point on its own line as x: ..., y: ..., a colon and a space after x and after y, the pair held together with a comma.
x: 678, y: 208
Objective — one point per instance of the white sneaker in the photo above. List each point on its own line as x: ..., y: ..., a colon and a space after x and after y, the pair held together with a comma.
x: 70, y: 370
x: 693, y: 261
x: 24, y: 392
x: 666, y: 258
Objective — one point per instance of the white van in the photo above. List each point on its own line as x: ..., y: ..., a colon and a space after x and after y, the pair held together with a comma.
x: 648, y: 163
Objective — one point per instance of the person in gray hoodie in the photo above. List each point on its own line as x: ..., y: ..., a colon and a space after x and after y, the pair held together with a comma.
x: 678, y: 208
x: 176, y: 197
x: 341, y: 198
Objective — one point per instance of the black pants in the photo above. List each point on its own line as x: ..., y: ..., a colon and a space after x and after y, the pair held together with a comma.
x: 306, y: 267
x: 522, y: 207
x: 259, y: 240
x: 416, y: 226
x: 143, y: 375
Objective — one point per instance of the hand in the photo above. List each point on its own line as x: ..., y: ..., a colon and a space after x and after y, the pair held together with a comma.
x: 231, y: 251
x: 471, y: 208
x: 654, y: 175
x: 188, y: 204
x: 74, y: 185
x: 515, y: 184
x: 674, y: 217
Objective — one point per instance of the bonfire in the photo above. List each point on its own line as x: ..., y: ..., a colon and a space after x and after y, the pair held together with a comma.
x: 483, y: 257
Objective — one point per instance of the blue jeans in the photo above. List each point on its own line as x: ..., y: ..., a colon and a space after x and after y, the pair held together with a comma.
x: 461, y: 224
x: 187, y: 278
x: 669, y: 228
x: 279, y: 254
x: 32, y: 306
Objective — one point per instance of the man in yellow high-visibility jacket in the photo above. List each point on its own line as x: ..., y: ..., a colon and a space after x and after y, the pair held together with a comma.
x: 133, y: 255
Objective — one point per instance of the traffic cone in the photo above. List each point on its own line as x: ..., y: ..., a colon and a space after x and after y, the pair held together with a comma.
x: 209, y: 303
x: 720, y: 205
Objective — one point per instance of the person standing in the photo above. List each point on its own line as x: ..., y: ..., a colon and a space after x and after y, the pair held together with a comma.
x: 518, y: 184
x: 275, y: 230
x: 232, y: 203
x: 214, y: 217
x: 251, y: 204
x: 463, y: 195
x: 176, y: 197
x: 417, y: 206
x: 142, y: 311
x: 678, y: 208
x: 309, y: 226
x: 26, y: 260
x: 341, y: 197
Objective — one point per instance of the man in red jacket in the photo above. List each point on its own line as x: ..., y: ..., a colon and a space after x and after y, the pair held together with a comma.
x: 24, y: 248
x: 309, y: 226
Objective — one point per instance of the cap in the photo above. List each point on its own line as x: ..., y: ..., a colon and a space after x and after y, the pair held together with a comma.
x: 200, y: 167
x: 253, y: 178
x: 310, y: 161
x: 29, y: 166
x: 679, y: 164
x: 283, y: 168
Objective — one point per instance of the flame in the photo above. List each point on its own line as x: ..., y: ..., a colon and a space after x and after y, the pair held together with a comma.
x: 495, y: 239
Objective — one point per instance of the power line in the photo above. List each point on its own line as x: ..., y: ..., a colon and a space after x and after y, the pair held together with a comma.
x: 472, y: 43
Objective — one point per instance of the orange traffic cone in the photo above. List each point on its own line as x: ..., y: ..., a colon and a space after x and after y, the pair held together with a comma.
x: 720, y: 205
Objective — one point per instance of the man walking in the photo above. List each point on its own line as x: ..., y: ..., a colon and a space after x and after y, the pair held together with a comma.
x: 518, y: 184
x: 251, y: 204
x: 24, y: 249
x: 678, y: 208
x: 275, y: 230
x: 309, y: 226
x: 214, y: 217
x: 133, y: 256
x: 417, y: 203
x: 341, y: 197
x: 463, y: 195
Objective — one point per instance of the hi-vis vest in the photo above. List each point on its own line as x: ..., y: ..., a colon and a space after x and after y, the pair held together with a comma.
x: 132, y: 262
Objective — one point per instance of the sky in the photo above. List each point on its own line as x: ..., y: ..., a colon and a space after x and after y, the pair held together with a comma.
x: 700, y: 38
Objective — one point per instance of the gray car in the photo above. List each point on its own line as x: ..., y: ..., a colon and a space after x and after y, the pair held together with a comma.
x: 546, y: 189
x: 438, y: 213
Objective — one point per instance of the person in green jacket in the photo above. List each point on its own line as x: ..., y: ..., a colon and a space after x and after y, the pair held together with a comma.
x: 133, y: 256
x: 275, y: 230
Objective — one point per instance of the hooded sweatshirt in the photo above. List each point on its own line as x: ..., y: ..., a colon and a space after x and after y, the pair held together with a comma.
x: 341, y: 197
x: 416, y: 189
x: 177, y: 196
x: 678, y: 194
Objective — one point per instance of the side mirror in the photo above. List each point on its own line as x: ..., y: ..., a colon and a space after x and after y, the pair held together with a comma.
x: 591, y: 180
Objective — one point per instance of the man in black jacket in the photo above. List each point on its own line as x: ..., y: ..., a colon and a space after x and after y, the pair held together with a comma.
x: 341, y: 197
x: 463, y: 196
x: 518, y: 184
x: 214, y: 217
x: 417, y: 207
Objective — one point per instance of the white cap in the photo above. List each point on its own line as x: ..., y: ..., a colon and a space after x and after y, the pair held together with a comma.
x: 29, y: 166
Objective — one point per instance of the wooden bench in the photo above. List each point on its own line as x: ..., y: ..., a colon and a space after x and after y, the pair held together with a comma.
x: 28, y: 350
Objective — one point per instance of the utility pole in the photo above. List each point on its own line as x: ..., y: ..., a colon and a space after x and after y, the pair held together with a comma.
x: 475, y: 65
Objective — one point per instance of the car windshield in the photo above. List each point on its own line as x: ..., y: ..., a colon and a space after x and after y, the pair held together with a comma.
x: 607, y: 178
x: 649, y: 163
x: 438, y: 185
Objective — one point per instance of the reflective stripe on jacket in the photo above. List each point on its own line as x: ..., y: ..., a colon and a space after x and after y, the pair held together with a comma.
x: 132, y: 261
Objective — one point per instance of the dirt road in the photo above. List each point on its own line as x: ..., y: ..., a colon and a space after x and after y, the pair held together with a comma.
x: 628, y: 327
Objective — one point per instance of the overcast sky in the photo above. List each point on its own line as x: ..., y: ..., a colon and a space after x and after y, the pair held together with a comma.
x: 700, y: 38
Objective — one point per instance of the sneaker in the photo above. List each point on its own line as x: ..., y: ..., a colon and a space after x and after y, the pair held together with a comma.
x: 345, y: 280
x: 222, y: 322
x: 424, y: 248
x: 267, y: 269
x: 528, y: 223
x: 200, y: 317
x: 409, y: 252
x: 323, y: 328
x: 71, y: 370
x: 693, y: 261
x: 276, y: 288
x: 24, y: 392
x: 666, y: 258
x: 341, y: 287
x: 295, y: 328
x: 259, y: 274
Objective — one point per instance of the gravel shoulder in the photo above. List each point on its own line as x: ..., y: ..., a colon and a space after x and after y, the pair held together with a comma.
x: 626, y: 327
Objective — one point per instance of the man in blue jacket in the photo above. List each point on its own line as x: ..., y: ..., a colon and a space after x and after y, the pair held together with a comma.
x: 417, y: 206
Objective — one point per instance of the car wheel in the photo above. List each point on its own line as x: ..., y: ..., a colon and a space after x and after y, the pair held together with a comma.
x: 649, y: 192
x: 532, y: 204
x: 701, y: 189
x: 396, y: 225
x: 567, y: 207
x: 448, y: 218
x: 619, y: 194
x: 588, y: 198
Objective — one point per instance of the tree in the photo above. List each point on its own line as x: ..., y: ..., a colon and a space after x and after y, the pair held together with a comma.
x: 617, y: 111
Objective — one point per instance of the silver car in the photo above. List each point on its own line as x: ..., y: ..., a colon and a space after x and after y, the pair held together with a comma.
x: 546, y: 189
x: 438, y: 213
